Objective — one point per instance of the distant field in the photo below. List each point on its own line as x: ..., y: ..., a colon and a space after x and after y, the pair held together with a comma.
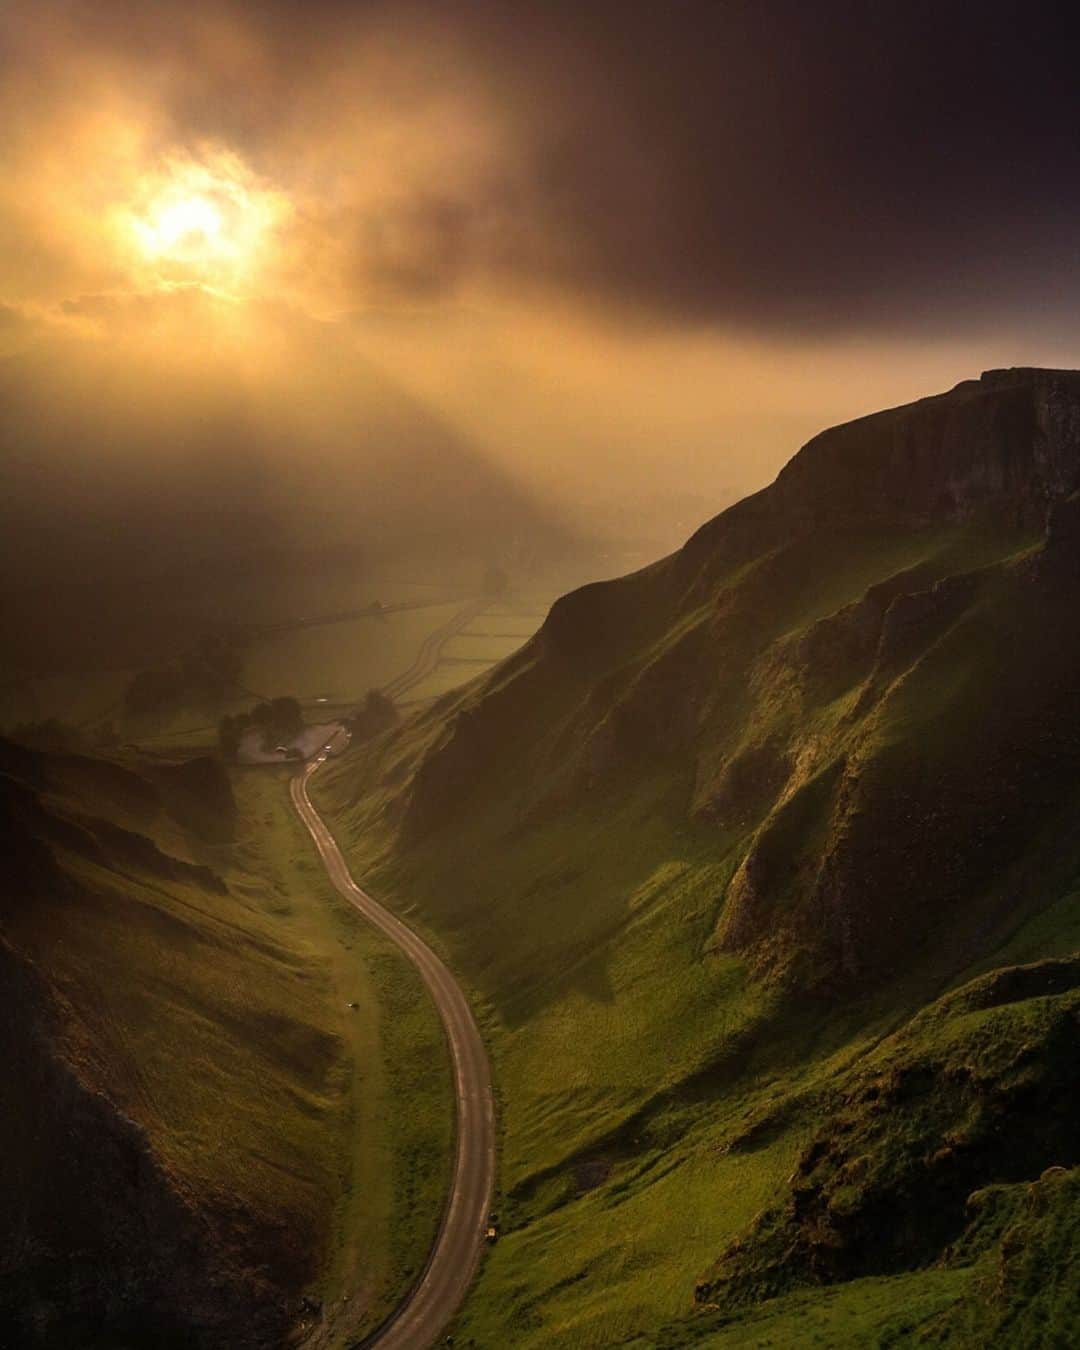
x: 330, y: 665
x: 503, y: 627
x: 288, y: 649
x: 341, y: 661
x: 366, y: 650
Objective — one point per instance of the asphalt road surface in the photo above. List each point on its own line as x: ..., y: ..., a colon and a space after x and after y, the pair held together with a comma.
x: 452, y: 1262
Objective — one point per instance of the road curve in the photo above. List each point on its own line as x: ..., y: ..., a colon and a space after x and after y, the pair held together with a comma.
x: 452, y: 1262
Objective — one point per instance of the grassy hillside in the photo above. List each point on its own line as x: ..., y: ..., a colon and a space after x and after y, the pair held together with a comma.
x: 177, y: 973
x: 707, y: 851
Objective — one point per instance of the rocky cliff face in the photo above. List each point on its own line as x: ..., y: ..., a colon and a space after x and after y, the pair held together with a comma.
x: 1005, y: 446
x: 863, y: 675
x: 1008, y: 442
x: 977, y: 1086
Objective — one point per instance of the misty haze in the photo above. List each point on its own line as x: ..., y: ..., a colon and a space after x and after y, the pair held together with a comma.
x: 540, y: 708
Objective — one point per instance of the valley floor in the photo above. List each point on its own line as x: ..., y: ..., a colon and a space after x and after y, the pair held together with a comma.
x: 391, y: 1124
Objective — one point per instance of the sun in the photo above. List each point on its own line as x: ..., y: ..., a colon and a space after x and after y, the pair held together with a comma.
x: 207, y: 220
x: 190, y: 225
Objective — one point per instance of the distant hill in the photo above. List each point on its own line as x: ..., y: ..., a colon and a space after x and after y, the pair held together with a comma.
x: 725, y: 824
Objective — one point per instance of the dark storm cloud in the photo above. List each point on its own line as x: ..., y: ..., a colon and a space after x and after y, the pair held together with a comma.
x: 806, y: 164
x: 819, y: 164
x: 782, y: 164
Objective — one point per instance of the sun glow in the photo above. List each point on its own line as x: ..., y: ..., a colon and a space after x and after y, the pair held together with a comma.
x: 210, y: 221
x: 191, y: 224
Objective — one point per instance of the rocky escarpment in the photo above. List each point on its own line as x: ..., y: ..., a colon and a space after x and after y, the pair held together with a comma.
x: 977, y: 1086
x: 99, y: 1245
x: 1009, y: 441
x: 1005, y: 446
x: 862, y: 677
x: 961, y: 758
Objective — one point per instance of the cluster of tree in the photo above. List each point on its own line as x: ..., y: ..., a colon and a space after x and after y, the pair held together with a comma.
x: 204, y: 676
x: 279, y: 719
x: 378, y: 714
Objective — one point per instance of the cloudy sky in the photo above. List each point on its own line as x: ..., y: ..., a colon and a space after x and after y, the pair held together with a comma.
x: 626, y: 254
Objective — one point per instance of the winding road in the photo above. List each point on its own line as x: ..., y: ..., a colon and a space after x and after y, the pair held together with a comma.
x: 453, y: 1259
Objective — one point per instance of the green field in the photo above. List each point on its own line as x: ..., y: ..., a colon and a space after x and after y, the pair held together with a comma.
x: 503, y: 627
x: 341, y: 661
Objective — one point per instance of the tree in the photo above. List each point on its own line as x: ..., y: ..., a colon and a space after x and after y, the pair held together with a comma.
x: 286, y: 715
x: 279, y: 719
x: 378, y: 714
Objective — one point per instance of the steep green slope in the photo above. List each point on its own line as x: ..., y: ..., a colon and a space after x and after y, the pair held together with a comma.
x: 197, y: 1129
x: 726, y: 823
